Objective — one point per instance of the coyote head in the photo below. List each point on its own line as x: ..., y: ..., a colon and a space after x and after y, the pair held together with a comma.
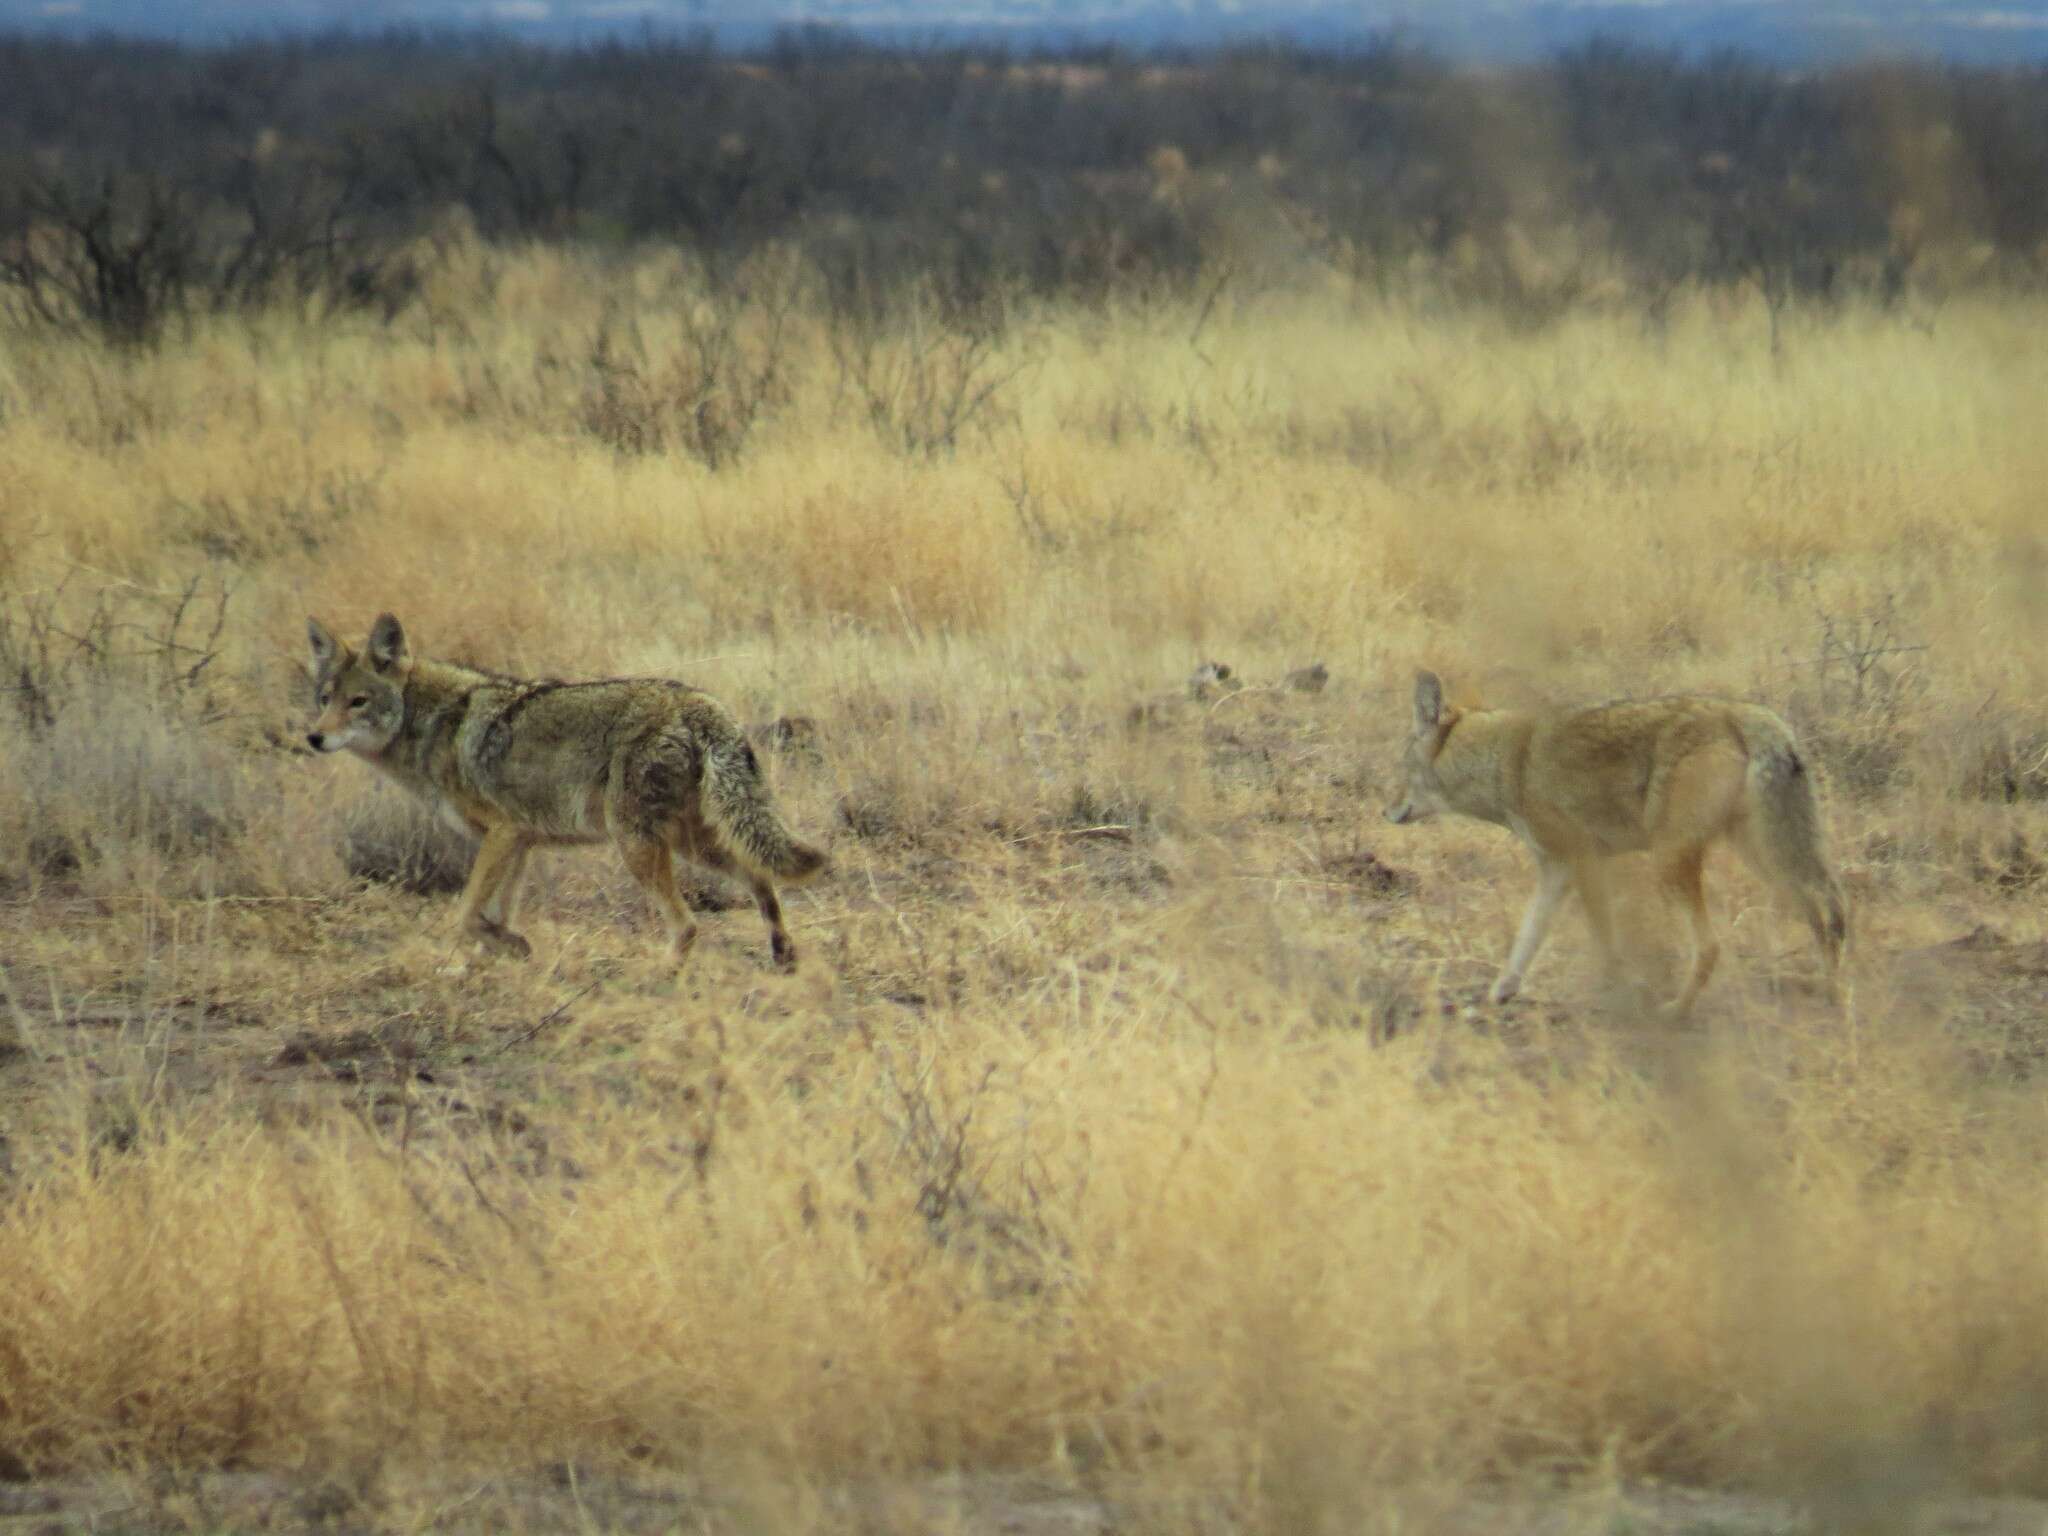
x: 1423, y: 792
x: 360, y: 697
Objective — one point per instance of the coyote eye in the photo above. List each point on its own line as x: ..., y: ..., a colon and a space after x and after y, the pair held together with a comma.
x: 360, y: 701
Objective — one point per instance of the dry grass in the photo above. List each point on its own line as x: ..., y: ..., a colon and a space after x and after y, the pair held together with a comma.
x: 1132, y: 1122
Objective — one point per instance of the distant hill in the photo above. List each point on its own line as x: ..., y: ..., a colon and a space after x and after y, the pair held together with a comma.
x: 1787, y: 31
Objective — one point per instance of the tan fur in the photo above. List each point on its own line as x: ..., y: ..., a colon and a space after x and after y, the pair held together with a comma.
x: 656, y: 768
x: 1667, y: 776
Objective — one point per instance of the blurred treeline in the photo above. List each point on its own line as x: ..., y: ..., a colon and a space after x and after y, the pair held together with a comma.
x: 141, y: 183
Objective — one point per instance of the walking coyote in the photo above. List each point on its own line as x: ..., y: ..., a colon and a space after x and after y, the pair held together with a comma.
x: 1668, y: 776
x: 658, y: 768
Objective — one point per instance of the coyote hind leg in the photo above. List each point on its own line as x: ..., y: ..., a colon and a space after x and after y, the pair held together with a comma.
x: 704, y: 850
x: 779, y: 943
x: 1683, y: 874
x: 649, y: 862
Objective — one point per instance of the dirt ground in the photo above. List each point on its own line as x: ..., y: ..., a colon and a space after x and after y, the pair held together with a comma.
x: 564, y: 1498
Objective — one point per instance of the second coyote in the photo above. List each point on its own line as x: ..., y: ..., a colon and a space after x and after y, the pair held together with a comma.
x: 658, y: 769
x: 1666, y: 776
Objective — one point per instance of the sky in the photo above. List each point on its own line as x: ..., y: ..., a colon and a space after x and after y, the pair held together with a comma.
x: 2014, y: 31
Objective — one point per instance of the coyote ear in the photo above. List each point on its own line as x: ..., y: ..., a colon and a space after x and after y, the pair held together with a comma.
x: 1429, y: 701
x: 387, y: 649
x: 326, y: 649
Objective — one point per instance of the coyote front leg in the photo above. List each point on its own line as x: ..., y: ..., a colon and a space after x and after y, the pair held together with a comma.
x: 504, y: 902
x: 1553, y: 879
x: 498, y: 861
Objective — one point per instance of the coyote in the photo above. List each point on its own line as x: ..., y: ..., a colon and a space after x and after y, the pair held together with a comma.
x: 658, y: 768
x: 1668, y: 776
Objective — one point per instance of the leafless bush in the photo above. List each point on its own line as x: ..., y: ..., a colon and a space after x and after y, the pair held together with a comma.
x: 164, y: 642
x: 110, y: 740
x: 938, y: 1149
x: 1990, y: 751
x: 1853, y: 699
x: 120, y: 261
x: 920, y: 376
x: 127, y: 258
x: 707, y: 396
x: 2005, y: 759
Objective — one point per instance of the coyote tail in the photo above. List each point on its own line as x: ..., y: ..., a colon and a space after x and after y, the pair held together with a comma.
x: 736, y: 804
x: 1787, y: 837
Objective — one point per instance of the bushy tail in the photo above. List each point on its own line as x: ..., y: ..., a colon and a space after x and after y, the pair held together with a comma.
x: 1787, y: 841
x: 736, y: 804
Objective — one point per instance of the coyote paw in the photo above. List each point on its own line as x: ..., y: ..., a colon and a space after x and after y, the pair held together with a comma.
x: 1504, y: 989
x: 501, y: 940
x: 785, y: 953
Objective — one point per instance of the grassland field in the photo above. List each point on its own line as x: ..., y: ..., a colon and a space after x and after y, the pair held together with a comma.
x: 1134, y: 1149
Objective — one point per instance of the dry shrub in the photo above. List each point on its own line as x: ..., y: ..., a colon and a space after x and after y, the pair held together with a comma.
x: 125, y: 792
x: 118, y: 736
x: 390, y: 837
x: 1996, y: 755
x: 705, y: 394
x: 1855, y: 697
x: 922, y: 383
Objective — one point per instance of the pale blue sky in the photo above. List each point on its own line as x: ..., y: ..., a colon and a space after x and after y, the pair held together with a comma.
x: 1998, y: 30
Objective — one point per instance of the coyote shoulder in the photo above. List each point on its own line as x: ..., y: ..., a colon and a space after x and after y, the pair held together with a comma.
x: 1668, y: 776
x: 656, y: 768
